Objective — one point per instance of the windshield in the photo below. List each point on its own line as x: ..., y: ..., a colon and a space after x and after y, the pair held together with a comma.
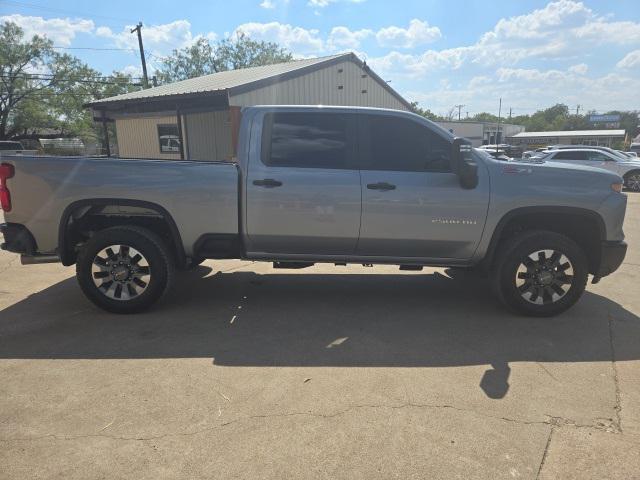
x: 618, y: 155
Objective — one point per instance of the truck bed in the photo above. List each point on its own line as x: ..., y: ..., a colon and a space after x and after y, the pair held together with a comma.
x: 201, y: 197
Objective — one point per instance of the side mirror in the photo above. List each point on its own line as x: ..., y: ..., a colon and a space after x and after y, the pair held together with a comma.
x: 463, y: 164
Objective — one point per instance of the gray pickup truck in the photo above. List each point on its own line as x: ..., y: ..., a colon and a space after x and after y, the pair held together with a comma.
x: 320, y: 184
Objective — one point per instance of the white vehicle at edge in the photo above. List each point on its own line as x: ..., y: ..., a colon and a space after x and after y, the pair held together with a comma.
x: 627, y: 167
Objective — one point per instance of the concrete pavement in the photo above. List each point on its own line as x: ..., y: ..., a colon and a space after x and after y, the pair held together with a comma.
x: 328, y: 372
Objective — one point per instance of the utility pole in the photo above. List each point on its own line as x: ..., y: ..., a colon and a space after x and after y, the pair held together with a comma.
x: 577, y: 110
x: 509, y: 113
x: 459, y: 107
x: 498, y: 130
x: 145, y: 79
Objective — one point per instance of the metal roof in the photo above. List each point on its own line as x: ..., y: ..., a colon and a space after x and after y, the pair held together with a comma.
x: 240, y: 80
x: 571, y: 133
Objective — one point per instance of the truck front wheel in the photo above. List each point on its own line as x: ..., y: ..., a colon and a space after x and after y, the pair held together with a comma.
x: 540, y: 273
x: 632, y: 181
x: 124, y: 269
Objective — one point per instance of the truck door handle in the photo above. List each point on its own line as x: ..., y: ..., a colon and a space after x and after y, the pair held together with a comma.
x: 383, y: 186
x: 267, y: 183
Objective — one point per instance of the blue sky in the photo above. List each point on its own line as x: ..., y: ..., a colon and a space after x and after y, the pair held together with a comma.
x: 441, y: 53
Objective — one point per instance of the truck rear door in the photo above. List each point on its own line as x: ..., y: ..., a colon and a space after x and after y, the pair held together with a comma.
x: 412, y: 203
x: 303, y: 190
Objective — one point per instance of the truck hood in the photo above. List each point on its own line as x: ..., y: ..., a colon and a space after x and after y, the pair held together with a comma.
x: 631, y: 163
x: 557, y: 173
x: 569, y: 167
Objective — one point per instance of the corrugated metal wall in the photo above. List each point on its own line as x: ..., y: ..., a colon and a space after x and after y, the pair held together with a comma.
x: 138, y: 137
x: 208, y: 135
x: 323, y: 87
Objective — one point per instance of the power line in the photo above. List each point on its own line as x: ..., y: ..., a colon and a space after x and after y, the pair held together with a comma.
x: 51, y: 76
x: 98, y: 49
x: 62, y: 94
x: 62, y: 10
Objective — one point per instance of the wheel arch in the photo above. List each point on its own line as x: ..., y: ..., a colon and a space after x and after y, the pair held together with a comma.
x: 84, y: 206
x: 585, y: 227
x: 633, y: 171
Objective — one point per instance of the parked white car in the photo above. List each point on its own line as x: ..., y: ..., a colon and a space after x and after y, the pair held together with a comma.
x: 628, y: 168
x: 533, y: 153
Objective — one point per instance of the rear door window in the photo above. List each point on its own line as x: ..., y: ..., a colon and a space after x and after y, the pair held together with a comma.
x: 308, y: 140
x: 394, y: 143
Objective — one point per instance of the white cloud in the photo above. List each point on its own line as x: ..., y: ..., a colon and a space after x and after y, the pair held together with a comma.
x: 542, y: 22
x: 325, y: 3
x: 342, y: 37
x: 562, y: 29
x: 297, y: 39
x: 421, y: 65
x: 602, y: 31
x: 580, y: 69
x: 418, y: 33
x: 133, y: 70
x: 160, y: 39
x: 103, y: 32
x: 527, y: 89
x: 271, y: 4
x: 61, y: 31
x: 630, y: 60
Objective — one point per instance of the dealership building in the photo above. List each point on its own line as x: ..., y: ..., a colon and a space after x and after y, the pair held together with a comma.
x: 604, y: 138
x: 481, y: 133
x: 198, y: 118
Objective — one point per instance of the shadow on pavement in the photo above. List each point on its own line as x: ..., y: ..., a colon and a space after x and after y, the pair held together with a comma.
x: 275, y: 319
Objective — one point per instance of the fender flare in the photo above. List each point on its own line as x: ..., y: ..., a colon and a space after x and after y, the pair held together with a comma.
x: 67, y: 259
x: 524, y: 211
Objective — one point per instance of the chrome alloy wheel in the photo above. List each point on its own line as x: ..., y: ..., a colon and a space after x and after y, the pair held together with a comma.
x: 544, y: 277
x: 632, y: 182
x: 120, y: 272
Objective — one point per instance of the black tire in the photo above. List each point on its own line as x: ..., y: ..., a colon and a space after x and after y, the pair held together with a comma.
x: 157, y: 276
x: 632, y: 181
x: 533, y: 287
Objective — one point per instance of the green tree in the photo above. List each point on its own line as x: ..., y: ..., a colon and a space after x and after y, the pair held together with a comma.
x: 426, y: 113
x: 41, y: 89
x: 629, y: 121
x: 231, y: 53
x: 17, y: 86
x: 485, y: 117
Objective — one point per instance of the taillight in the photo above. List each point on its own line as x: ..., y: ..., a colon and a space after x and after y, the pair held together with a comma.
x: 6, y: 171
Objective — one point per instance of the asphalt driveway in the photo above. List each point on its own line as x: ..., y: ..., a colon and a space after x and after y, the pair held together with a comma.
x: 328, y: 372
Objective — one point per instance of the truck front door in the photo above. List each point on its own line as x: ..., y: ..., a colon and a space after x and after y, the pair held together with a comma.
x: 303, y: 193
x: 412, y: 203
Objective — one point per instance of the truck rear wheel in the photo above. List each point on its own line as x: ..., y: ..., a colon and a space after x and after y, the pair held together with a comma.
x: 124, y: 269
x: 540, y: 273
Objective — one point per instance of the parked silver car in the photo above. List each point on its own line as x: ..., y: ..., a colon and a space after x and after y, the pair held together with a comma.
x: 601, y: 157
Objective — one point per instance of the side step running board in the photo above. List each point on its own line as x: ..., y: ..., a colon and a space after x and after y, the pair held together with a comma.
x: 296, y: 265
x: 36, y: 259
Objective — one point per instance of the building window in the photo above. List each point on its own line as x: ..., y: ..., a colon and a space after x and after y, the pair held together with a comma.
x: 168, y: 138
